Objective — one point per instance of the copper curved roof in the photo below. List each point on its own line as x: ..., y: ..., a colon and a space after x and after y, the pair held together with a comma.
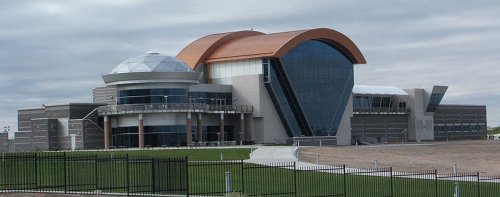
x: 253, y: 44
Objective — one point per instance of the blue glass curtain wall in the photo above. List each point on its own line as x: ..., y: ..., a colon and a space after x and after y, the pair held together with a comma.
x: 314, y: 85
x: 211, y: 98
x: 172, y: 95
x: 169, y: 135
x: 367, y: 102
x: 434, y: 101
x: 149, y: 96
x: 283, y: 99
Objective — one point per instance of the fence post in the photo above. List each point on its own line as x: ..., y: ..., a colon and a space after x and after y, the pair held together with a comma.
x: 127, y: 173
x: 436, y: 181
x: 153, y: 173
x: 345, y: 183
x: 65, y: 172
x: 242, y: 177
x: 392, y: 182
x: 478, y: 185
x: 295, y: 177
x: 186, y: 164
x: 96, y: 173
x: 36, y: 171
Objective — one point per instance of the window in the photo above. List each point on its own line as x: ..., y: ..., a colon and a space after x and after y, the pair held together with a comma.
x: 147, y: 96
x: 310, y: 85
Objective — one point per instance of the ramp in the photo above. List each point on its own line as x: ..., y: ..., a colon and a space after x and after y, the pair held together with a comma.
x: 274, y: 154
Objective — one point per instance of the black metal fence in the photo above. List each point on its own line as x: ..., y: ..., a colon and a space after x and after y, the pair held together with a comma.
x: 92, y: 174
x: 83, y: 173
x: 288, y: 179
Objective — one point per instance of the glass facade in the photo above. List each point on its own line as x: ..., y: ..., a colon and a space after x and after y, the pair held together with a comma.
x: 310, y: 87
x: 172, y: 95
x: 150, y: 96
x: 283, y: 100
x: 169, y: 135
x: 367, y: 102
x: 434, y: 101
x: 457, y: 128
x: 211, y: 98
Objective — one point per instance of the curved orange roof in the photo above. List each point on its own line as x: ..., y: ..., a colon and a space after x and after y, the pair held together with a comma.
x: 198, y: 51
x: 251, y: 44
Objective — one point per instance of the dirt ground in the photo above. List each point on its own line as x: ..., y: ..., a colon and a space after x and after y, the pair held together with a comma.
x: 470, y: 156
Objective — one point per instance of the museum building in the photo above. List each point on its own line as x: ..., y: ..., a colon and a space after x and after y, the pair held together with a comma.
x: 242, y: 87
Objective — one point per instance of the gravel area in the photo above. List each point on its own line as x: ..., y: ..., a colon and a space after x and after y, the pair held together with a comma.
x: 470, y: 156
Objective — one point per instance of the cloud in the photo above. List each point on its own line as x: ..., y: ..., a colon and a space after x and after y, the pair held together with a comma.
x: 56, y: 51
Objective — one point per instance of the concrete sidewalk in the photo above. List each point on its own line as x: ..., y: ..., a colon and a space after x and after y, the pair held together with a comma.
x: 274, y: 153
x: 278, y: 154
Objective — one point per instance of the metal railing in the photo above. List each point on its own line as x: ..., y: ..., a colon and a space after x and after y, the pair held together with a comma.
x: 61, y: 172
x: 173, y: 107
x: 381, y: 110
x: 315, y: 141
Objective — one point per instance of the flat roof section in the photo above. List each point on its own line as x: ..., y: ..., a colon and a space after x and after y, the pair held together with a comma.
x: 380, y: 90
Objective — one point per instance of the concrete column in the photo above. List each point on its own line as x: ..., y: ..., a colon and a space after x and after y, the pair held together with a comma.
x: 242, y: 128
x: 141, y: 131
x: 189, y: 134
x: 221, y: 127
x: 199, y: 129
x: 106, y: 132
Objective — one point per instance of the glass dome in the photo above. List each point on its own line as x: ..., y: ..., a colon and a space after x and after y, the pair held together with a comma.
x: 151, y: 62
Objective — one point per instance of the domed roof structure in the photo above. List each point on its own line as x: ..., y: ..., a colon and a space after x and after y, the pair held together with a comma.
x: 151, y: 62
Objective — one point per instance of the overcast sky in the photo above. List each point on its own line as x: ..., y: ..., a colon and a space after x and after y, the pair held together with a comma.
x: 56, y: 51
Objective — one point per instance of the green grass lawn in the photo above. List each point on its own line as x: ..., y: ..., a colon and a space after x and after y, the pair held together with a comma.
x: 192, y: 154
x: 114, y: 171
x: 255, y: 180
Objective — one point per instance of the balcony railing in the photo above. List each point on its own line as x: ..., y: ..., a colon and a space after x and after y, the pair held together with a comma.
x: 381, y: 110
x: 174, y: 107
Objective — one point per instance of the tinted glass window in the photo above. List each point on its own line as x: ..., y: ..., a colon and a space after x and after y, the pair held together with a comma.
x: 211, y: 97
x: 321, y: 79
x: 164, y: 135
x: 146, y: 96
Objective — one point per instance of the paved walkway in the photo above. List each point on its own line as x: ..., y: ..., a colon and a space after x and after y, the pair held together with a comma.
x: 274, y: 153
x: 277, y: 154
